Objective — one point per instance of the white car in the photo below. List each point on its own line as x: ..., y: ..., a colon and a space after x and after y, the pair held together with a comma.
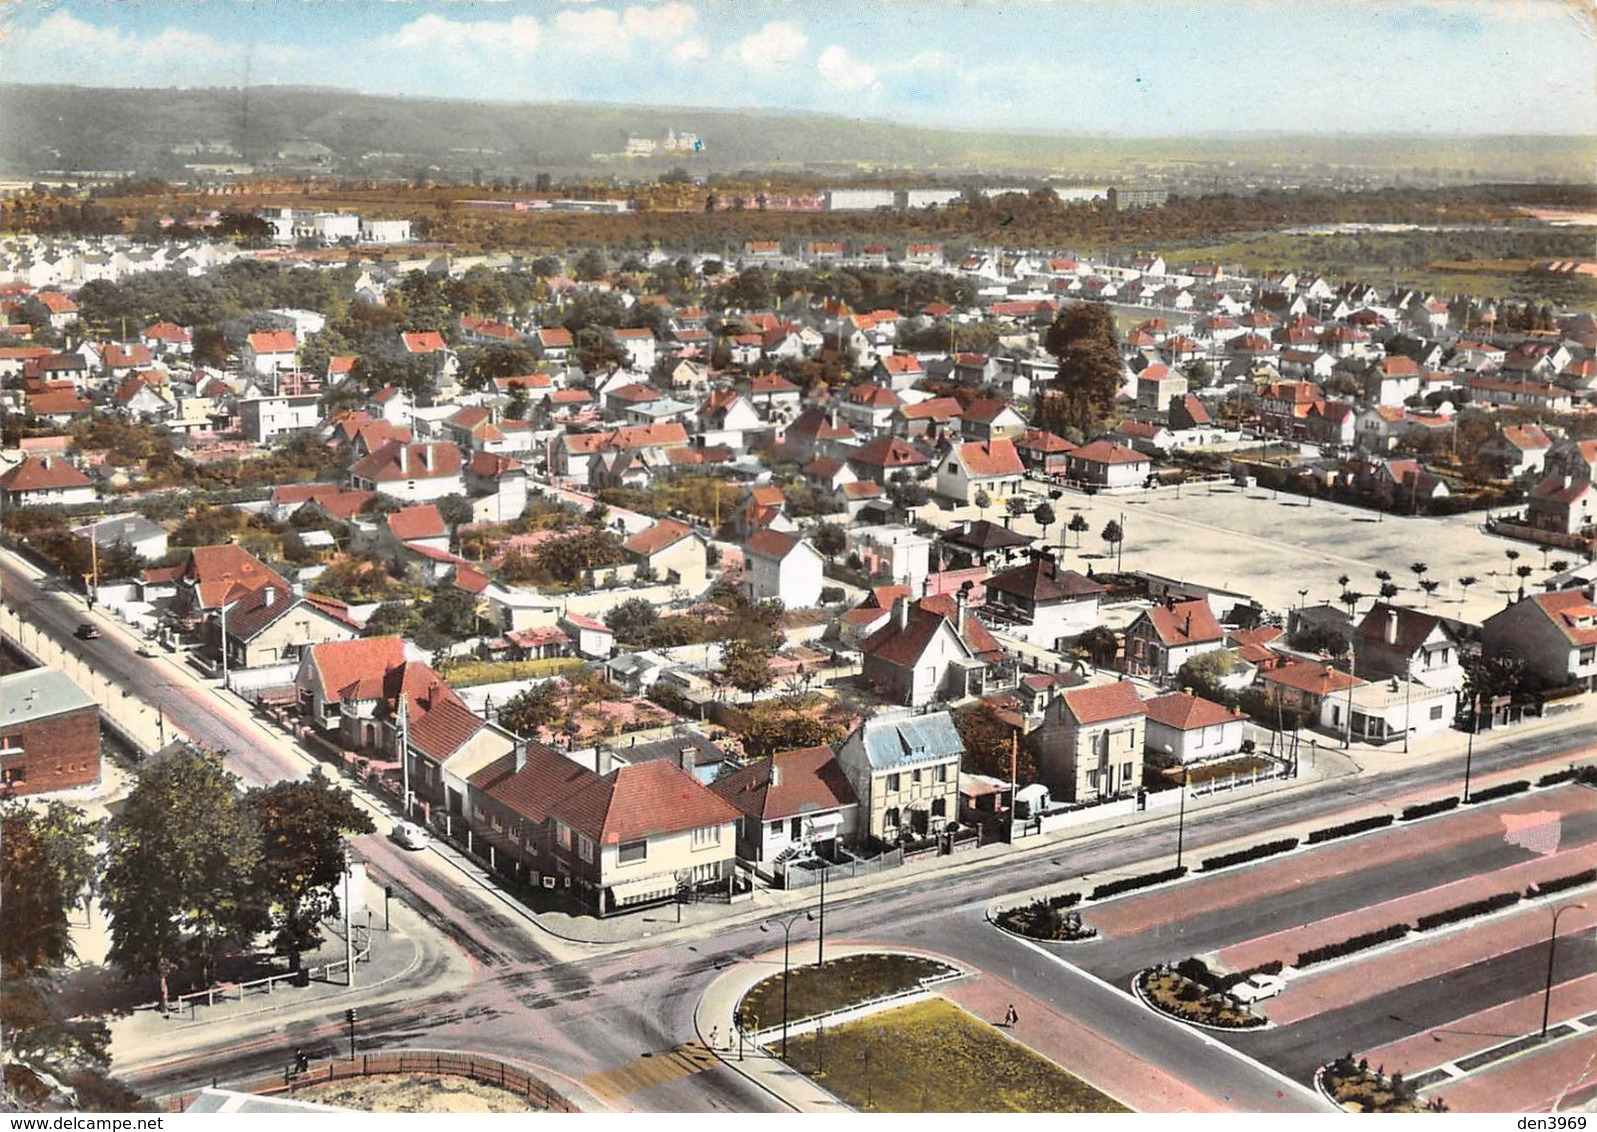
x: 1255, y: 987
x: 410, y: 835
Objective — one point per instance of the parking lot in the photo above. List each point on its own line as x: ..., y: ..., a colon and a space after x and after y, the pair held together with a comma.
x: 1437, y: 1004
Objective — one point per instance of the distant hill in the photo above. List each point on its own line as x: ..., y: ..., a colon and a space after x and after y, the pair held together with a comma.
x: 297, y: 129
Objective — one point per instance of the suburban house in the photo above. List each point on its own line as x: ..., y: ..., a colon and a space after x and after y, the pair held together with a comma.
x: 791, y: 804
x: 1165, y: 637
x: 992, y: 466
x: 41, y: 480
x: 49, y: 733
x: 904, y: 770
x: 1090, y: 743
x: 1184, y: 728
x: 1553, y: 634
x: 138, y: 534
x: 983, y: 543
x: 1515, y: 450
x: 784, y: 567
x: 929, y: 650
x: 671, y: 552
x: 1104, y: 464
x: 1309, y: 689
x: 880, y: 459
x: 410, y: 472
x: 1040, y: 603
x: 592, y: 639
x: 1043, y: 453
x: 1408, y: 643
x: 1561, y: 504
x: 267, y: 351
x: 631, y: 836
x: 272, y: 626
x: 991, y: 419
x: 212, y: 577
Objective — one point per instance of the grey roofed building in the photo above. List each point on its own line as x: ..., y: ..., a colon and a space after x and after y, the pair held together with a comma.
x: 40, y: 693
x: 895, y: 739
x: 140, y: 534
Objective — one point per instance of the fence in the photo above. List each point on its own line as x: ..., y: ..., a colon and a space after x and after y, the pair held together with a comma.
x: 856, y: 867
x: 770, y: 1034
x: 1237, y: 781
x: 236, y: 991
x: 487, y: 1070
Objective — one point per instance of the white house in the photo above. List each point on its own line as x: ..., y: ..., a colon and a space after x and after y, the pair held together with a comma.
x: 267, y: 351
x: 992, y: 466
x: 784, y: 567
x: 1191, y: 729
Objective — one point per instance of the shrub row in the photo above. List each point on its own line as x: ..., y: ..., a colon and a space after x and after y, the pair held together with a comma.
x: 1558, y: 884
x: 1349, y: 946
x: 1426, y: 809
x: 1252, y: 853
x: 1065, y: 900
x: 1557, y: 776
x: 1348, y: 829
x: 1466, y: 911
x: 1502, y: 790
x: 1199, y: 972
x: 1129, y: 884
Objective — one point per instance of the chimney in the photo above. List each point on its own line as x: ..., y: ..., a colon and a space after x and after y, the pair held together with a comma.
x: 959, y: 611
x: 1186, y: 628
x: 601, y: 760
x: 44, y: 462
x: 776, y: 773
x: 521, y: 757
x: 901, y: 613
x: 1391, y: 626
x: 270, y: 598
x: 404, y: 459
x: 688, y: 757
x: 427, y: 456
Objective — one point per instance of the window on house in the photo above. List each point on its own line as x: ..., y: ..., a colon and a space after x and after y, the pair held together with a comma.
x: 1092, y: 780
x: 1436, y: 712
x: 563, y: 834
x: 12, y: 742
x: 1125, y: 772
x: 707, y: 837
x: 939, y: 807
x: 916, y: 778
x: 631, y: 852
x: 942, y: 773
x: 585, y: 848
x: 796, y: 828
x: 890, y: 818
x: 776, y: 826
x: 1586, y: 657
x: 16, y: 772
x: 892, y: 783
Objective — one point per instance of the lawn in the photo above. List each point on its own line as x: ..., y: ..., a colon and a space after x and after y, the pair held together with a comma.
x: 839, y: 984
x: 933, y: 1057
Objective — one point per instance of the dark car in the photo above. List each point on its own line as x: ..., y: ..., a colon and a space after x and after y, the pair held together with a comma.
x: 87, y: 632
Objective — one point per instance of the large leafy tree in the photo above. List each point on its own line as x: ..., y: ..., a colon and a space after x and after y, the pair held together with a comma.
x: 829, y: 539
x: 989, y: 742
x: 33, y: 932
x: 1082, y: 337
x: 747, y: 666
x: 183, y: 855
x: 527, y: 712
x: 303, y: 826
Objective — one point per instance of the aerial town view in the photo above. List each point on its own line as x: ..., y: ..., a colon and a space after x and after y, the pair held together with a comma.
x: 659, y: 556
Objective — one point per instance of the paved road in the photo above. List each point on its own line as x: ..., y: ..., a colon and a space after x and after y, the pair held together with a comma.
x: 623, y: 1010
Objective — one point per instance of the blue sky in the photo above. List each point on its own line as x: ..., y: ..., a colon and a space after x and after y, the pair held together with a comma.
x: 1121, y: 67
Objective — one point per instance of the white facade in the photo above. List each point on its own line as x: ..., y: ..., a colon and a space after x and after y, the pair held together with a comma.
x: 385, y: 231
x: 794, y: 579
x: 1194, y: 744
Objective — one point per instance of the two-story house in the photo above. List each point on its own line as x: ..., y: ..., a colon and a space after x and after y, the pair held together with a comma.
x: 1165, y: 637
x: 673, y: 553
x: 1408, y: 643
x: 411, y: 472
x: 1041, y: 603
x: 1554, y: 635
x: 904, y: 769
x: 932, y: 649
x: 793, y: 803
x: 784, y: 567
x: 1090, y: 743
x: 1183, y: 729
x: 991, y: 466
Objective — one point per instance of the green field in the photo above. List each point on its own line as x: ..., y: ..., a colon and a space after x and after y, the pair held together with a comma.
x: 933, y: 1057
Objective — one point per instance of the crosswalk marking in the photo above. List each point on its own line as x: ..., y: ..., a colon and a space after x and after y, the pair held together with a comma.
x: 650, y: 1070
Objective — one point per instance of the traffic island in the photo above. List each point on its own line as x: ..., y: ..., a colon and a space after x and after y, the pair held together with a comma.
x: 1186, y: 999
x: 934, y: 1057
x: 844, y: 983
x: 1051, y: 920
x: 1357, y: 1088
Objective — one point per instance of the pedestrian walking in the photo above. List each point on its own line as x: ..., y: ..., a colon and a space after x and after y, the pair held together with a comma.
x: 713, y: 1030
x: 1011, y: 1018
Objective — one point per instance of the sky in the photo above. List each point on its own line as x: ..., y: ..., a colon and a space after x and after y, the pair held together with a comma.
x: 1106, y: 67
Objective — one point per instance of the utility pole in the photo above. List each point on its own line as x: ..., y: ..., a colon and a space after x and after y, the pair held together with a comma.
x: 404, y: 753
x: 1014, y: 780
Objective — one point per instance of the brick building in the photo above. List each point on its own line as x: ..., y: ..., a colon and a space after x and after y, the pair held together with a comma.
x: 49, y: 733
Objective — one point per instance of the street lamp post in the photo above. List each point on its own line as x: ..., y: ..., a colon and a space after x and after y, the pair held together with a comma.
x: 1181, y: 815
x: 1552, y: 944
x: 1469, y: 751
x: 787, y: 941
x: 225, y: 608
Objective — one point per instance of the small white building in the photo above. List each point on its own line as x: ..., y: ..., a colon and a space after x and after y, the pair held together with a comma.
x: 784, y: 567
x: 1190, y: 729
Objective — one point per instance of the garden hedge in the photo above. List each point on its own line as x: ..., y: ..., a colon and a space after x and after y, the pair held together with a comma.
x: 1349, y: 946
x: 1426, y: 809
x: 1466, y: 911
x: 1251, y: 853
x: 1502, y: 790
x: 1348, y: 829
x: 1559, y: 884
x: 1129, y: 884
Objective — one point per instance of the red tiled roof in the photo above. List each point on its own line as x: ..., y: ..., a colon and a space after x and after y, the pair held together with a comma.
x: 652, y: 540
x: 1571, y: 613
x: 809, y: 781
x: 420, y: 521
x: 634, y: 802
x: 902, y: 364
x: 423, y: 342
x: 939, y: 409
x: 990, y: 458
x: 383, y: 465
x: 888, y: 452
x: 771, y: 544
x: 1107, y: 452
x: 1184, y: 623
x: 1103, y: 702
x: 226, y: 571
x: 1188, y: 713
x: 873, y: 396
x: 1312, y: 677
x: 272, y: 342
x: 1042, y: 581
x: 355, y: 669
x: 43, y: 473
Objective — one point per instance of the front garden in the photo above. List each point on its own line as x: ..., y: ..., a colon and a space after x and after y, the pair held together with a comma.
x: 1358, y: 1088
x: 1181, y: 995
x: 838, y: 984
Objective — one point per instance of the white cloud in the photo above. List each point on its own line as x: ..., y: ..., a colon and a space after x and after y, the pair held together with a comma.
x: 661, y: 22
x: 690, y: 51
x: 519, y: 33
x: 62, y: 31
x: 591, y: 29
x: 779, y: 43
x: 841, y: 71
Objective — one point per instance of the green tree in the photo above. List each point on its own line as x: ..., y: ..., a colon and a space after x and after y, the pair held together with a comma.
x: 1099, y: 645
x: 527, y: 712
x: 988, y: 743
x: 1014, y: 508
x: 183, y: 853
x: 829, y: 539
x: 1045, y: 517
x: 590, y: 266
x: 303, y: 826
x: 455, y: 509
x: 1320, y: 639
x: 393, y: 619
x: 982, y: 501
x: 747, y: 666
x: 633, y: 620
x: 1078, y: 526
x: 479, y: 367
x: 1113, y: 535
x: 34, y: 933
x: 1082, y: 337
x: 1204, y: 675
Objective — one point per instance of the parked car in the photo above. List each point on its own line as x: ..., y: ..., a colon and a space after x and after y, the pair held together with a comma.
x: 87, y: 631
x: 410, y: 835
x: 1256, y: 987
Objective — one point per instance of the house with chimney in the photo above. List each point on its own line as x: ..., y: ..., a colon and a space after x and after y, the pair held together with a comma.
x: 1182, y: 729
x: 1561, y: 504
x: 212, y: 577
x: 1041, y: 603
x: 274, y: 626
x: 673, y: 553
x: 1553, y: 635
x: 791, y: 805
x: 1043, y: 453
x: 1515, y: 450
x: 1165, y: 637
x: 40, y: 481
x: 904, y: 770
x: 1090, y: 743
x: 1394, y: 641
x: 615, y: 838
x: 1105, y: 465
x: 413, y: 473
x: 930, y: 650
